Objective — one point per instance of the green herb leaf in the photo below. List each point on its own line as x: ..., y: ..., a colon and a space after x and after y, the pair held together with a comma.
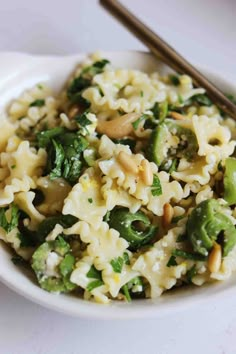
x: 94, y: 284
x: 13, y: 223
x: 95, y: 68
x: 125, y: 290
x: 64, y: 155
x: 37, y: 103
x: 93, y: 273
x: 107, y: 216
x: 141, y: 93
x: 156, y: 188
x: 117, y: 264
x: 174, y: 79
x: 188, y: 255
x: 172, y: 262
x: 130, y: 142
x: 77, y: 85
x: 191, y: 273
x: 44, y: 137
x: 174, y: 165
x: 126, y: 258
x: 59, y: 159
x: 83, y: 122
x: 202, y: 99
x: 90, y: 200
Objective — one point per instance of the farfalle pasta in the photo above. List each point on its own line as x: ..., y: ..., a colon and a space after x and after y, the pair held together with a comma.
x: 120, y: 187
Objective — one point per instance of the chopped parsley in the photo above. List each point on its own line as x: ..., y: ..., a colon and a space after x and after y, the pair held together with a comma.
x: 174, y: 80
x: 94, y: 284
x: 130, y: 142
x: 201, y: 99
x: 83, y: 122
x: 93, y: 273
x: 126, y: 258
x: 117, y: 264
x: 141, y: 93
x: 172, y: 262
x: 125, y: 290
x: 173, y: 166
x: 8, y: 226
x: 37, y: 103
x: 83, y: 81
x: 188, y: 255
x: 107, y: 216
x: 13, y: 166
x: 64, y: 153
x: 58, y: 161
x: 90, y: 200
x: 156, y: 188
x: 191, y: 273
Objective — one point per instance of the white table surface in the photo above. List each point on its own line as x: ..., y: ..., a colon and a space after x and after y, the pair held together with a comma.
x: 204, y: 31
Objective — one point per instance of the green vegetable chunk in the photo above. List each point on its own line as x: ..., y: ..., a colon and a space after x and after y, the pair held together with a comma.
x: 60, y: 280
x: 205, y: 224
x: 230, y: 181
x: 162, y: 153
x: 160, y: 110
x: 135, y: 228
x: 48, y: 224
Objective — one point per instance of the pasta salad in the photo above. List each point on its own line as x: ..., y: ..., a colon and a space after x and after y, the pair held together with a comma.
x: 123, y: 186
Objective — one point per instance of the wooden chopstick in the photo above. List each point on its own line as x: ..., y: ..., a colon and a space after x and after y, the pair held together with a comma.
x: 167, y: 54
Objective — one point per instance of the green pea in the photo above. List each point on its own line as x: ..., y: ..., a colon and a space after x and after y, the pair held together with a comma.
x: 134, y: 228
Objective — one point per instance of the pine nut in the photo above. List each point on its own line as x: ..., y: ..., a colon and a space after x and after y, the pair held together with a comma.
x: 73, y: 111
x: 177, y: 116
x: 118, y: 127
x: 146, y: 172
x: 168, y: 213
x: 127, y: 162
x: 215, y: 257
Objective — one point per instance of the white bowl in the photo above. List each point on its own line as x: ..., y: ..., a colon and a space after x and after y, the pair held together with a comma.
x: 19, y: 72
